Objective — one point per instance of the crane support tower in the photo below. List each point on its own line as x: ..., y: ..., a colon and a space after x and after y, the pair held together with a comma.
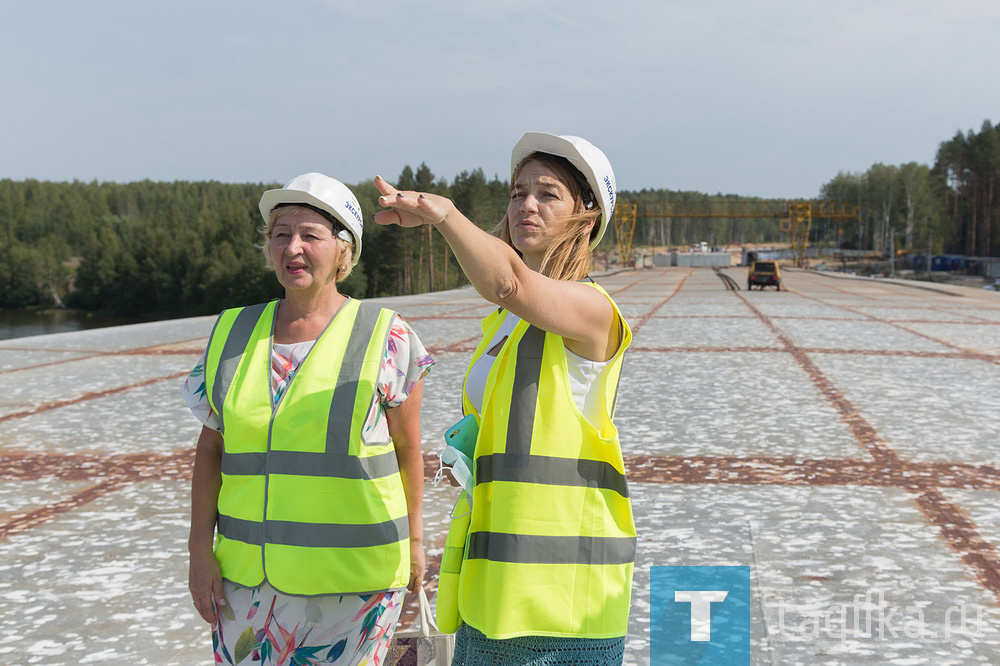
x: 794, y: 217
x: 625, y: 229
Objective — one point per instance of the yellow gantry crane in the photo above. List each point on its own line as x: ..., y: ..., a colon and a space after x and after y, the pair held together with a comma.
x: 625, y: 214
x: 794, y: 217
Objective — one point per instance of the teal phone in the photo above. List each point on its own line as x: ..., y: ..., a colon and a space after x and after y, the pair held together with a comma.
x: 462, y: 435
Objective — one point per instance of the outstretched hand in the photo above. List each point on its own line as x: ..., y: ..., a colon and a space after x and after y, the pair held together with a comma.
x: 410, y: 209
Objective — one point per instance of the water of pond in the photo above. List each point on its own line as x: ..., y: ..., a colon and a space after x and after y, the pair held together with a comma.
x: 24, y: 323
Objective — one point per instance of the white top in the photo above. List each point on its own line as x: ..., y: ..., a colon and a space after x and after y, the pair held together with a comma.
x: 583, y: 374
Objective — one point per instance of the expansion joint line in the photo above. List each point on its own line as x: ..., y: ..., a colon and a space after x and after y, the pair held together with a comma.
x: 631, y: 284
x: 93, y: 395
x: 154, y: 350
x: 964, y: 353
x: 649, y: 315
x: 25, y: 521
x: 468, y: 344
x: 956, y: 528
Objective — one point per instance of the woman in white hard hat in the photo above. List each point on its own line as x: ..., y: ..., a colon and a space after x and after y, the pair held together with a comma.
x: 306, y: 494
x: 545, y: 576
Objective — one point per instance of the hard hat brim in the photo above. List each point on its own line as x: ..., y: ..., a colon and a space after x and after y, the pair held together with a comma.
x: 270, y: 199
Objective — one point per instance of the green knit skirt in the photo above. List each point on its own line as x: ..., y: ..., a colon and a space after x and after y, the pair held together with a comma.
x: 473, y: 648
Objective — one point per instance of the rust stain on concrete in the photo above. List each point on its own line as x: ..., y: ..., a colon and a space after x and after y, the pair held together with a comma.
x: 649, y: 315
x: 93, y: 395
x: 960, y: 533
x: 25, y: 521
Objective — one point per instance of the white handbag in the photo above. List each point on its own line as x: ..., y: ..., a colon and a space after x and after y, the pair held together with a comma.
x: 423, y: 645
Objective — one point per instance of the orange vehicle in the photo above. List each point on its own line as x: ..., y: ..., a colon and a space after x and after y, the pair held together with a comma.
x: 764, y: 274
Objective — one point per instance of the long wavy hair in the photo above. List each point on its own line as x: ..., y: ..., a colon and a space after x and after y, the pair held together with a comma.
x: 568, y: 257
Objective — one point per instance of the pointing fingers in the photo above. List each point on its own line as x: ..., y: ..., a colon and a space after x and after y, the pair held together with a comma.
x: 383, y: 186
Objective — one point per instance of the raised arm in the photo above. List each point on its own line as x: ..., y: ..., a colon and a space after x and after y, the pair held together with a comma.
x: 580, y: 314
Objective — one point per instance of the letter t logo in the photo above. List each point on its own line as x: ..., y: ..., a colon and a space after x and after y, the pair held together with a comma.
x: 701, y: 610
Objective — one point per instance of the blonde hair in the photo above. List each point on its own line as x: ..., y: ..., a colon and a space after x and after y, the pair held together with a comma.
x: 346, y: 248
x: 568, y: 256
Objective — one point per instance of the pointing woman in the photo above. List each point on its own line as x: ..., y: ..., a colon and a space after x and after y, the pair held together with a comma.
x: 308, y: 477
x: 547, y: 568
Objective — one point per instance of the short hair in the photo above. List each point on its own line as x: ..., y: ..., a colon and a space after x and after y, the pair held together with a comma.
x: 284, y: 210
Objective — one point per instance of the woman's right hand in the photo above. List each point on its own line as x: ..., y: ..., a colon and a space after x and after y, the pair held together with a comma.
x: 410, y: 209
x: 205, y: 583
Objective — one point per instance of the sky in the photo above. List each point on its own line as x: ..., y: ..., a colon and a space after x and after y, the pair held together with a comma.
x: 768, y: 98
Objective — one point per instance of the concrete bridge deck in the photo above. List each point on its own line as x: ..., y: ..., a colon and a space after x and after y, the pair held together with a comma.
x: 841, y: 437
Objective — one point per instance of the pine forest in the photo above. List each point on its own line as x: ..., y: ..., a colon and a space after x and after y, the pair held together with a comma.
x: 171, y: 249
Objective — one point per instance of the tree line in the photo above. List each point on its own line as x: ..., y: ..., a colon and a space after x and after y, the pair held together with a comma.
x: 952, y: 206
x: 190, y: 248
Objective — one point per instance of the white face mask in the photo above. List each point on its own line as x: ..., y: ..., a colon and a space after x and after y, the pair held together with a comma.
x: 461, y: 469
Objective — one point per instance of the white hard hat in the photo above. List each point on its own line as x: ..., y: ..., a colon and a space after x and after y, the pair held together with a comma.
x: 583, y: 155
x: 322, y: 192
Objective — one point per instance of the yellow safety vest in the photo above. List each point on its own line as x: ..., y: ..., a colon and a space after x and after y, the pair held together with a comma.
x: 446, y: 606
x: 551, y: 544
x: 304, y: 503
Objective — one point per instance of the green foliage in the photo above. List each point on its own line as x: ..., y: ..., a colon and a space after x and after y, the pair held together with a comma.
x: 189, y: 248
x: 953, y: 207
x: 19, y: 286
x: 409, y: 261
x: 482, y: 201
x: 967, y: 174
x: 165, y: 248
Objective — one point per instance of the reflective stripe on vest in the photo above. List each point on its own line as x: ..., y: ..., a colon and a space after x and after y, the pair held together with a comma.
x: 232, y: 353
x: 310, y: 535
x: 544, y: 469
x: 305, y: 504
x: 552, y: 540
x: 527, y: 548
